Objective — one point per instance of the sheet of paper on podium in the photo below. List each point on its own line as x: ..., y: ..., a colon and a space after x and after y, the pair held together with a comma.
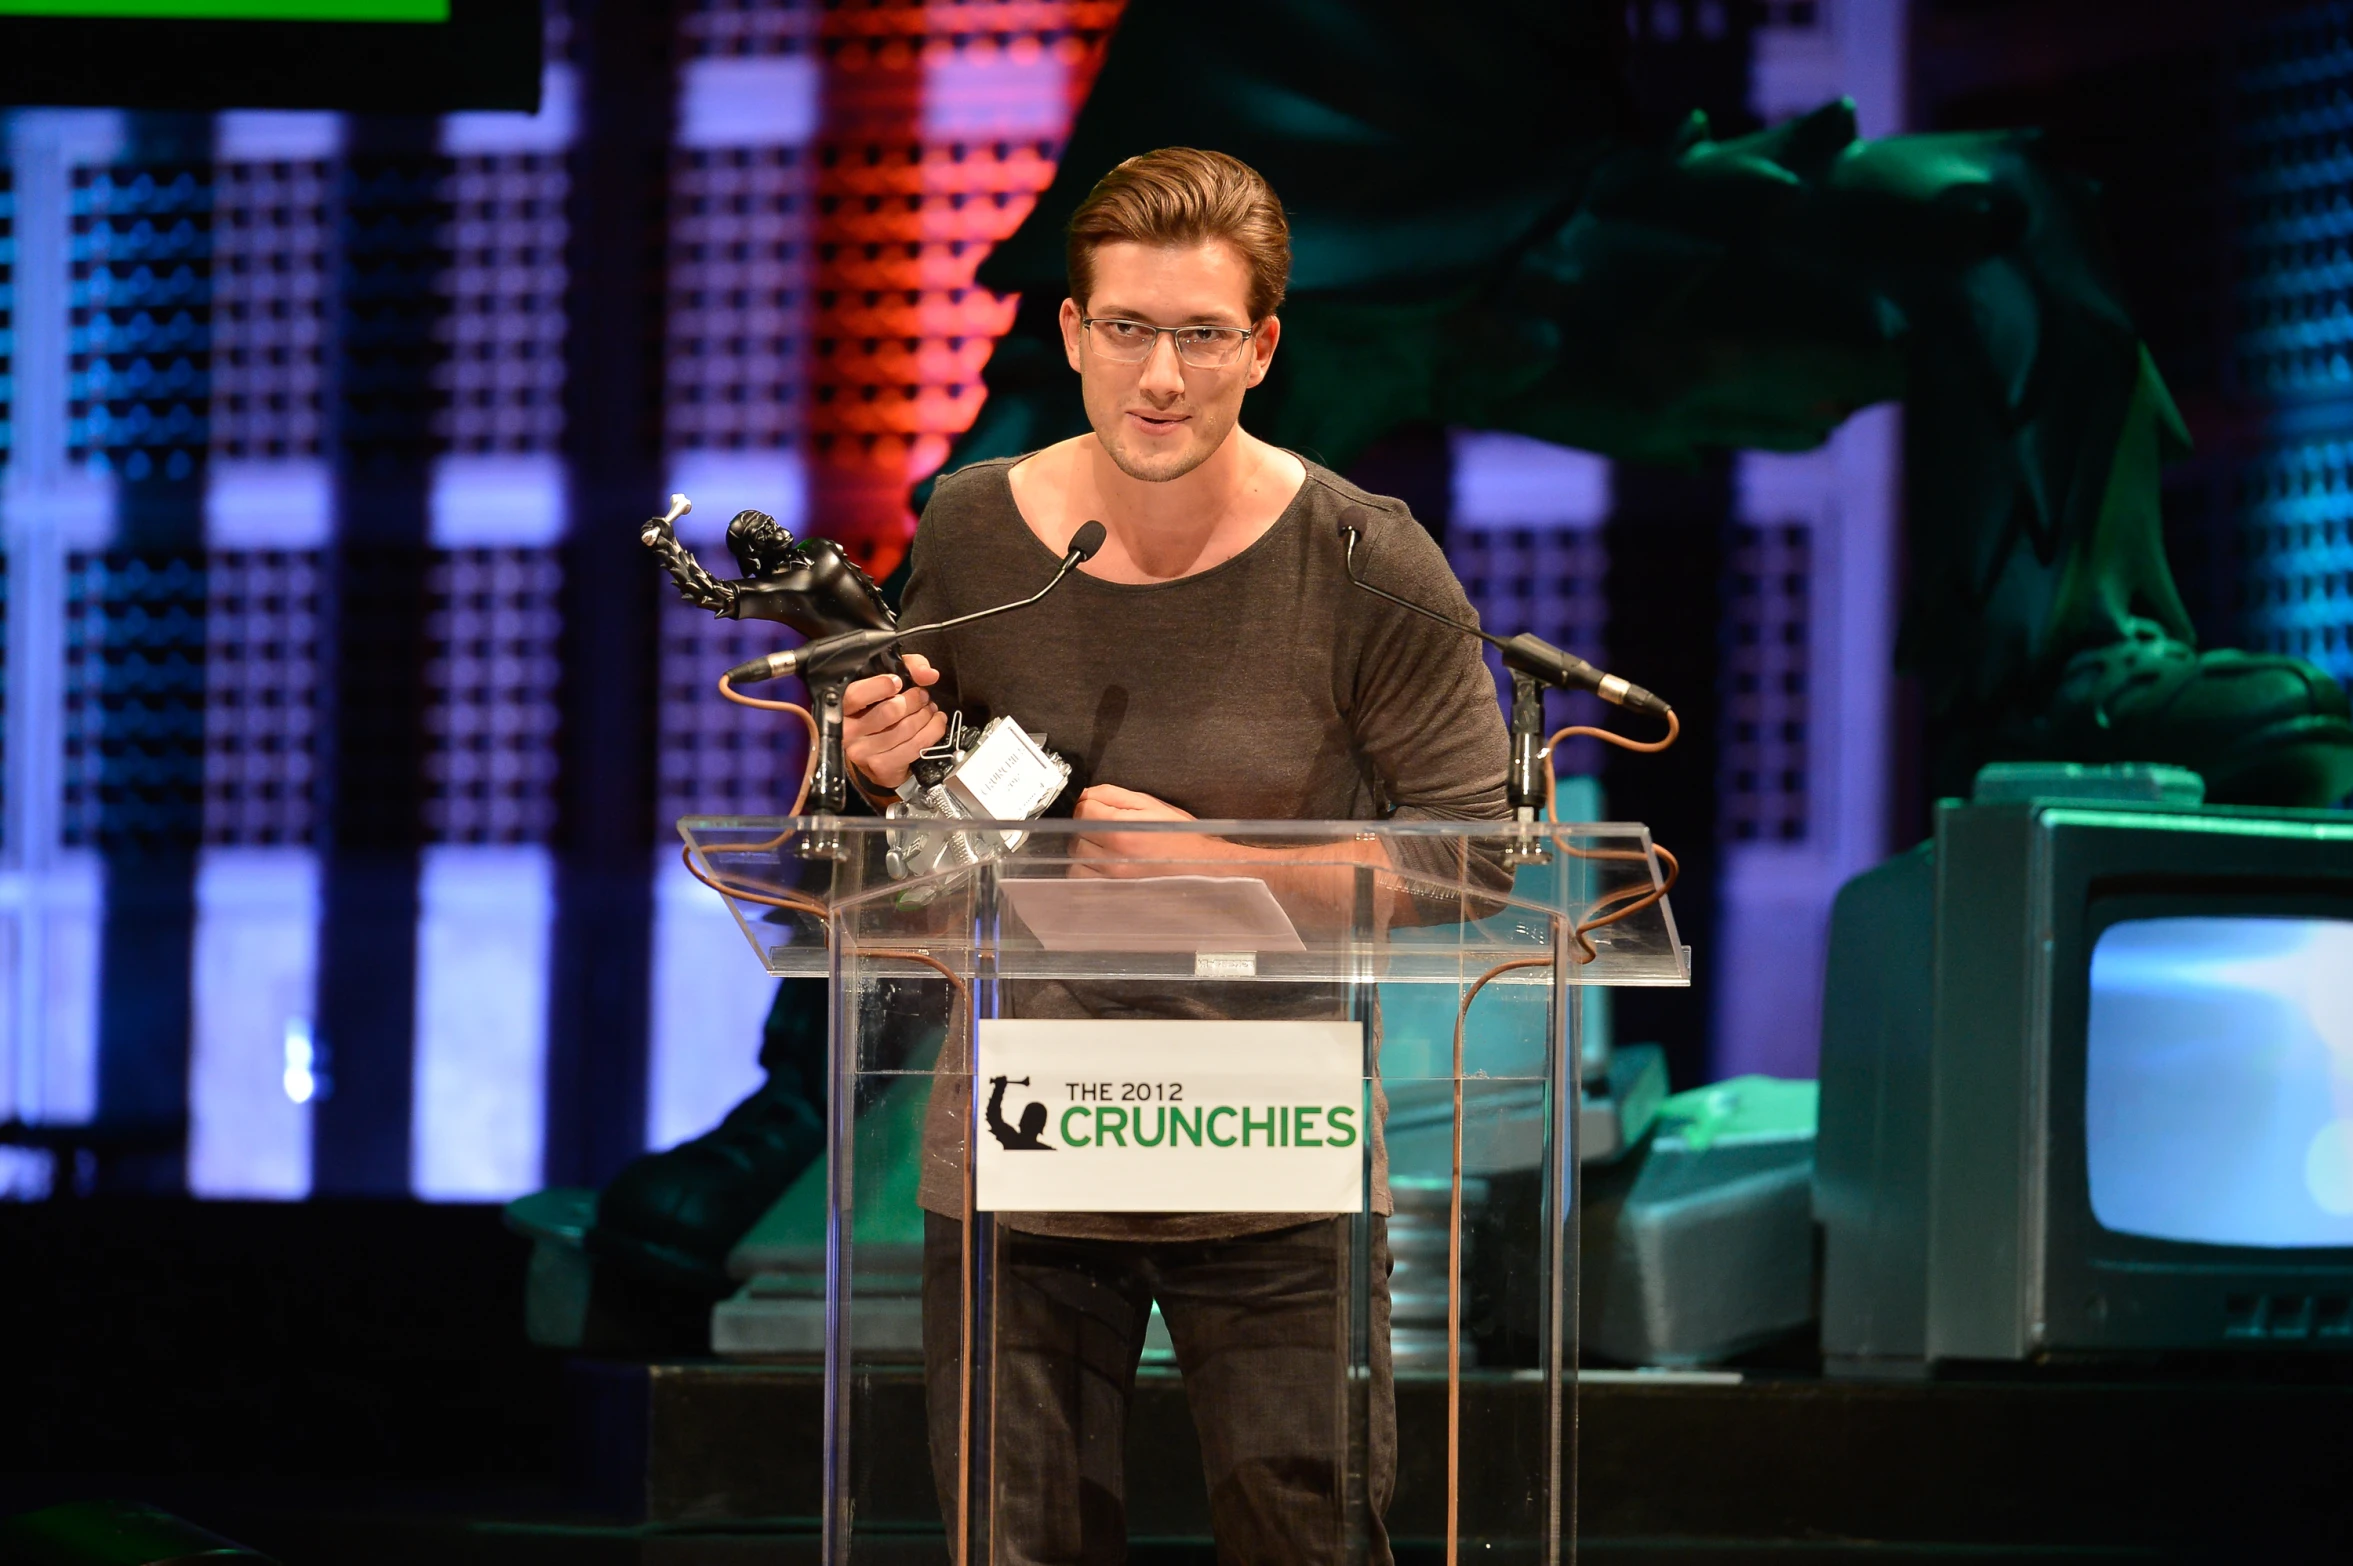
x: 1161, y: 913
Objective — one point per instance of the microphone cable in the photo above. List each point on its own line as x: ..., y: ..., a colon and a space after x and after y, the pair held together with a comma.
x: 770, y: 899
x: 1588, y: 731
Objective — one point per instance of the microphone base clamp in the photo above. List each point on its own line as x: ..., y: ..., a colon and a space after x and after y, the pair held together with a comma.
x: 1003, y: 773
x: 1524, y: 783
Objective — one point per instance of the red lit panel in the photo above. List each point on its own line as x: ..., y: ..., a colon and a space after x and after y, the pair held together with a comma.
x: 941, y: 124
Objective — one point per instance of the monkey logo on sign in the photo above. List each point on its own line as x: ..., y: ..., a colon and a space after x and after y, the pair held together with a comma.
x: 1029, y: 1137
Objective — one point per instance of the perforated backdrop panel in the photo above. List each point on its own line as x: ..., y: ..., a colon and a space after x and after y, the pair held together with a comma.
x: 499, y: 380
x: 739, y: 292
x: 140, y: 344
x: 273, y: 227
x: 490, y: 715
x: 2292, y: 164
x: 7, y: 312
x: 261, y: 696
x: 1548, y: 580
x: 1767, y: 627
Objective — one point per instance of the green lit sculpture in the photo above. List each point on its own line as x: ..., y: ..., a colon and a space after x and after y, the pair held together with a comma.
x: 1477, y: 245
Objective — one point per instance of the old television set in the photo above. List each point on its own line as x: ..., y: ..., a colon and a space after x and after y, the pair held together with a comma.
x: 2087, y: 1080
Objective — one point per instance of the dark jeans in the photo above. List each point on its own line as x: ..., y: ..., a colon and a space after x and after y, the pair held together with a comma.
x: 1261, y: 1328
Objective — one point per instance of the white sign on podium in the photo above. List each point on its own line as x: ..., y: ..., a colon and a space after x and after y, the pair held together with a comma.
x: 1159, y: 1116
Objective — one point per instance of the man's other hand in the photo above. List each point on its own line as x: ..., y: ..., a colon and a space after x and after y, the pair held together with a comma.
x: 1315, y: 880
x: 886, y: 724
x: 1115, y: 806
x: 1109, y: 802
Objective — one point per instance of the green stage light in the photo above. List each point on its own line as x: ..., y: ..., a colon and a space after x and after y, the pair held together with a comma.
x: 115, y: 1533
x: 238, y: 10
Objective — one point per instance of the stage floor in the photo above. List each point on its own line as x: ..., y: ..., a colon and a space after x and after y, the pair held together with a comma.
x: 347, y: 1385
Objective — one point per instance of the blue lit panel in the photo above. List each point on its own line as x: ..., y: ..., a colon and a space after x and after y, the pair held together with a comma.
x: 975, y: 93
x: 49, y: 922
x: 1501, y: 480
x: 2218, y: 1082
x: 480, y: 1115
x: 252, y: 1076
x: 710, y: 998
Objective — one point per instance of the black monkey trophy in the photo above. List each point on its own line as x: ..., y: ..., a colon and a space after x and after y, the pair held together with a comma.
x: 809, y: 584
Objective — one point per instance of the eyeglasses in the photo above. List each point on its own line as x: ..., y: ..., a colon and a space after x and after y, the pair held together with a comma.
x: 1132, y: 342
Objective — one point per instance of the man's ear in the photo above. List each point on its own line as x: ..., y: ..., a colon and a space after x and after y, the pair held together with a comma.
x: 1262, y: 349
x: 1071, y: 327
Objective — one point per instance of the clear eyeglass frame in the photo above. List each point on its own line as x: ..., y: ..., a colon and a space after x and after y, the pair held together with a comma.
x: 1201, y: 347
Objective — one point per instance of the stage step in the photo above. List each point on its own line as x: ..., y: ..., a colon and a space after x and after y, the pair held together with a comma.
x: 1667, y: 1464
x: 393, y: 1540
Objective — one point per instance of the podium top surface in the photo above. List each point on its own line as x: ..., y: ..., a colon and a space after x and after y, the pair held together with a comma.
x: 1437, y: 902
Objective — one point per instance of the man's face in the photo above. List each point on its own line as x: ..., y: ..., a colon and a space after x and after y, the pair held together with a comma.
x: 1163, y: 418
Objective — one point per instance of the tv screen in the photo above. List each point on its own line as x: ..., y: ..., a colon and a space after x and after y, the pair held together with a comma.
x: 2218, y: 1090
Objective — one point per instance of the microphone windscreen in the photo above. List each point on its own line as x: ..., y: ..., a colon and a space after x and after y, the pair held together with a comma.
x: 1352, y: 522
x: 1087, y: 540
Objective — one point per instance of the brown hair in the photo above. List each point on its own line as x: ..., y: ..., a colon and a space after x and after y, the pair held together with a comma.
x: 1183, y: 196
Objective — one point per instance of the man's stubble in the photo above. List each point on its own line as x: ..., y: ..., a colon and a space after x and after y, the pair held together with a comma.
x: 1210, y: 431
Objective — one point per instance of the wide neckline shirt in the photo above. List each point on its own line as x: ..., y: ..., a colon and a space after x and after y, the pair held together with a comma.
x: 1267, y: 687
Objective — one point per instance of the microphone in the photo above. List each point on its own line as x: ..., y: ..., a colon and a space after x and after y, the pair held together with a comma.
x: 834, y: 657
x: 1083, y: 545
x: 1527, y: 653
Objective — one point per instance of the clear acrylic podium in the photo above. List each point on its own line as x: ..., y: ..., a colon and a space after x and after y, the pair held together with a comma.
x: 1358, y: 1038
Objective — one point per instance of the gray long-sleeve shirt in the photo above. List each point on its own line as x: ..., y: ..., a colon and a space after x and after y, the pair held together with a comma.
x: 1267, y: 687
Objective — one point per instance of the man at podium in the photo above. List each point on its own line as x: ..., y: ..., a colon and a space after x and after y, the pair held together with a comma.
x: 1211, y: 661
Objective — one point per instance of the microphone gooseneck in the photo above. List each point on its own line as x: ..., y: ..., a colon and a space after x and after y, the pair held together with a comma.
x: 1526, y: 653
x: 836, y: 656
